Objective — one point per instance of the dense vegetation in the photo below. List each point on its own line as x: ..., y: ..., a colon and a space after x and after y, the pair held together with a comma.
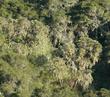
x: 54, y: 48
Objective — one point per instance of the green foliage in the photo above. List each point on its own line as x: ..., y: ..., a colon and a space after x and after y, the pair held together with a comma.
x: 101, y: 93
x: 16, y: 9
x: 88, y: 52
x: 90, y: 14
x: 47, y: 49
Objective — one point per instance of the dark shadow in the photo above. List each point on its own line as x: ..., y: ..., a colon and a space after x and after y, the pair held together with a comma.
x: 100, y: 33
x: 101, y: 73
x: 37, y: 93
x: 13, y: 95
x: 76, y: 12
x: 40, y: 60
x: 4, y: 77
x: 39, y: 4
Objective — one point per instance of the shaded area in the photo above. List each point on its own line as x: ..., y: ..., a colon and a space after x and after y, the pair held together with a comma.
x: 101, y: 73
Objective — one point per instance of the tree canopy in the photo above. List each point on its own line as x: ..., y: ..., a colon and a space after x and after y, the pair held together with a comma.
x: 54, y: 48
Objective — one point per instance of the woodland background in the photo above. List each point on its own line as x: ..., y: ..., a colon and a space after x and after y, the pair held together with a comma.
x: 54, y: 48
